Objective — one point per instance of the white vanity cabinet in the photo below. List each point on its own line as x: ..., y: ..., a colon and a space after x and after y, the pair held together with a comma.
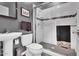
x: 8, y: 48
x: 7, y: 39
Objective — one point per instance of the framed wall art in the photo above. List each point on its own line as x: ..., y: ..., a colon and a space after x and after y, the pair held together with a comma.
x: 25, y: 12
x: 26, y: 26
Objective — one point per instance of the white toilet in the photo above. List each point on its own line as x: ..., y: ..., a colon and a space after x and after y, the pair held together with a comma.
x: 33, y: 49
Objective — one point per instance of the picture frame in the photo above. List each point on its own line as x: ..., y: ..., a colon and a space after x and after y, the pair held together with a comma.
x: 25, y: 12
x: 26, y: 26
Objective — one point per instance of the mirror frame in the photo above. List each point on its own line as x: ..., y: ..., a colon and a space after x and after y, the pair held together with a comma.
x: 11, y: 16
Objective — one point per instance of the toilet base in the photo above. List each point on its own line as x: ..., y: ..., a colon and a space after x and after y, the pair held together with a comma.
x: 28, y: 53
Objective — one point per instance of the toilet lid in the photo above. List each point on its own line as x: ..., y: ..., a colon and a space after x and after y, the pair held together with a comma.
x: 35, y: 46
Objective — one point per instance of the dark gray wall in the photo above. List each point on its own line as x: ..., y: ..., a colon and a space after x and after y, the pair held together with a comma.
x: 14, y: 24
x: 27, y: 6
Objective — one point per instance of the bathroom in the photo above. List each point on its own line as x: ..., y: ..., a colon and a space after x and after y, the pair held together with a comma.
x: 33, y: 25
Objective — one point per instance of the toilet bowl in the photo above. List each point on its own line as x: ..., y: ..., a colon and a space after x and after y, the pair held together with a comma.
x: 33, y: 49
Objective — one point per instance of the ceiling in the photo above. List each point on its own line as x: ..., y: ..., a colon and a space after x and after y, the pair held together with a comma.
x: 45, y: 5
x: 56, y: 11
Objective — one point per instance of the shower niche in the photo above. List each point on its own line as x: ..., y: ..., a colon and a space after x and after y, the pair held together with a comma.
x: 63, y: 36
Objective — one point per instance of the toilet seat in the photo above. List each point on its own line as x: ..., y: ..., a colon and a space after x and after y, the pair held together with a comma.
x: 34, y: 49
x: 35, y: 46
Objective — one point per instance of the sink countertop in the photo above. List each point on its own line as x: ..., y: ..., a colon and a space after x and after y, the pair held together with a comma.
x: 6, y: 36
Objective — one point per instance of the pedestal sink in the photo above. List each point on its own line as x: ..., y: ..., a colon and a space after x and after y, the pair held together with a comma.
x: 7, y: 39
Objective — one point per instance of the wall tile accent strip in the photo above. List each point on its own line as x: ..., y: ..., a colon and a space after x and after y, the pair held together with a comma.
x: 60, y: 17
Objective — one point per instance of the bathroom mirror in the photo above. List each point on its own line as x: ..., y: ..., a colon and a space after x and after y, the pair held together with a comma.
x: 8, y: 9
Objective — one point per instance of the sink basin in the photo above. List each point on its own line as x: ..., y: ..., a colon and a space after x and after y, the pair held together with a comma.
x: 7, y: 36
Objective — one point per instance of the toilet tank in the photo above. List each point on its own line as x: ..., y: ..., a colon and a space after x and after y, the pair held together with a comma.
x: 26, y: 39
